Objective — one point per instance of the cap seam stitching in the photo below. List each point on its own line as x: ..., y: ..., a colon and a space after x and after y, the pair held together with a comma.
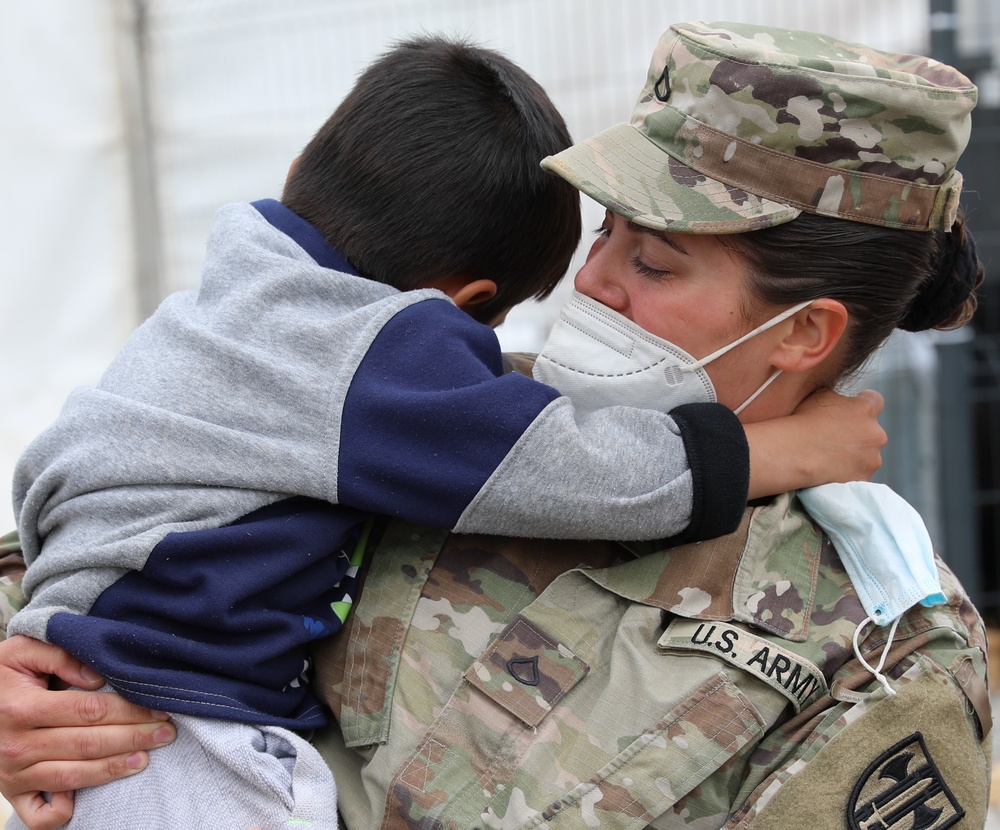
x: 812, y: 71
x: 809, y: 207
x: 875, y: 177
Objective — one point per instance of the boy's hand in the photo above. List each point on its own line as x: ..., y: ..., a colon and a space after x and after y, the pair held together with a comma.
x: 59, y: 741
x: 828, y: 438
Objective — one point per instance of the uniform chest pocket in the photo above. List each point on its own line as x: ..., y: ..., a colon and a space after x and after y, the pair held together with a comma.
x: 555, y: 741
x: 663, y: 763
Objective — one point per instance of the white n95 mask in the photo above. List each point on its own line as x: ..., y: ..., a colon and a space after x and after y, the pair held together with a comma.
x: 599, y: 358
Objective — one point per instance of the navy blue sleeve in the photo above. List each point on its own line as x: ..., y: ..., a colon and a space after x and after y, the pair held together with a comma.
x: 429, y: 416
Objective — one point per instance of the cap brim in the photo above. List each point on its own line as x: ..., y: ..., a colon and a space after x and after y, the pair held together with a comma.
x: 631, y: 176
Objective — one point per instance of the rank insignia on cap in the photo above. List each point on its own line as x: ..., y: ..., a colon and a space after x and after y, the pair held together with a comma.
x: 903, y: 789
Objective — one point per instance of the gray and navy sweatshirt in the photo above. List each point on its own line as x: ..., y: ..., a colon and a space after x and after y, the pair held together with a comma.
x: 188, y: 523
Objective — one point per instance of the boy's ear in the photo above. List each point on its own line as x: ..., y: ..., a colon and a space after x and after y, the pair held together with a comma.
x: 466, y: 293
x: 291, y: 168
x: 810, y: 336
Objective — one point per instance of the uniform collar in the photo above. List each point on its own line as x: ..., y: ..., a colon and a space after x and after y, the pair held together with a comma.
x: 763, y: 574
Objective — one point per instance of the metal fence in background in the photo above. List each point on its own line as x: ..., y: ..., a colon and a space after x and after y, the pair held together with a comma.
x: 967, y: 35
x: 984, y: 395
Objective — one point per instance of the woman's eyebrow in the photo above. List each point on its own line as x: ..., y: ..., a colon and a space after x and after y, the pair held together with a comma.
x: 662, y: 236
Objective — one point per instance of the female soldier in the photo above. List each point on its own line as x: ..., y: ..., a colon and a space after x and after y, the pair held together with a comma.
x: 779, y: 203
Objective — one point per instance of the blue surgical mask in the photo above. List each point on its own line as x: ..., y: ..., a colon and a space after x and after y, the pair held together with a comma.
x: 862, y: 518
x: 886, y: 552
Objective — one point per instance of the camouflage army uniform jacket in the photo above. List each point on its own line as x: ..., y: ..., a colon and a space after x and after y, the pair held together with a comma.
x: 504, y: 683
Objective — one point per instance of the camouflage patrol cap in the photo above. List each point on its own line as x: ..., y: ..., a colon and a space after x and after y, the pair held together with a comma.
x: 742, y: 127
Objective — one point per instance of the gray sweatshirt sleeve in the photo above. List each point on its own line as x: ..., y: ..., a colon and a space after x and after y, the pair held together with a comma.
x: 691, y: 479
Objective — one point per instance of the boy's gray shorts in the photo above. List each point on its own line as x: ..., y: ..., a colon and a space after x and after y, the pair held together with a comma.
x: 219, y: 775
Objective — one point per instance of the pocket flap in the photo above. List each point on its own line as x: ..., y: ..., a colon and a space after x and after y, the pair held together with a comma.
x: 526, y: 672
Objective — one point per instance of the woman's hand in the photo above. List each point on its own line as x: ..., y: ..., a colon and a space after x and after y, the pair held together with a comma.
x: 828, y: 438
x: 59, y: 741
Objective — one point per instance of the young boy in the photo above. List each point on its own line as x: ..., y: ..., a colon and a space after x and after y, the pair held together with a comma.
x: 196, y: 520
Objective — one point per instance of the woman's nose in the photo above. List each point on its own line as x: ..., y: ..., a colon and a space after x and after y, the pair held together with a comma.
x: 597, y: 279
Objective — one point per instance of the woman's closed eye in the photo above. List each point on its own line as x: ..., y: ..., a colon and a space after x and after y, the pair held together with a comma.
x: 648, y: 270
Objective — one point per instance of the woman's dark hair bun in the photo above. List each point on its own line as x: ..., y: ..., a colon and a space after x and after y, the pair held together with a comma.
x: 948, y: 299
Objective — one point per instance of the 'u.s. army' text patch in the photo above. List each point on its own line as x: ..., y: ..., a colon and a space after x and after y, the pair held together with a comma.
x: 795, y: 677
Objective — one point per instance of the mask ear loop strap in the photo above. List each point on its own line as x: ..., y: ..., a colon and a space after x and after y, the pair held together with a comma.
x: 753, y: 397
x: 877, y: 670
x: 788, y: 312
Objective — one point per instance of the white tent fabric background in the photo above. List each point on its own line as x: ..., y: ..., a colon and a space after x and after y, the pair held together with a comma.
x: 234, y: 88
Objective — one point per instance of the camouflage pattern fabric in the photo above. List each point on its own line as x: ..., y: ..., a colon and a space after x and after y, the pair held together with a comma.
x: 740, y: 127
x: 713, y: 685
x: 502, y: 683
x: 11, y: 574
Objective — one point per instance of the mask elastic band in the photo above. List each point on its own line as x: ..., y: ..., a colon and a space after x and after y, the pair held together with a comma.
x: 753, y: 397
x: 877, y: 670
x: 698, y: 364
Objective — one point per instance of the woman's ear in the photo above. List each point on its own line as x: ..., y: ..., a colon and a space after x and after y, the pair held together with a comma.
x: 810, y: 335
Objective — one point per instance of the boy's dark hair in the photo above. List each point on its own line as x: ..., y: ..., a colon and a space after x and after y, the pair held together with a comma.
x: 430, y: 168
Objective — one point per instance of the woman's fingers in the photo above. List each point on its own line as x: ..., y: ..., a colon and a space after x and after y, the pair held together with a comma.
x: 66, y: 776
x: 38, y: 660
x: 33, y: 765
x: 25, y: 705
x: 59, y: 741
x: 107, y: 744
x: 26, y: 701
x: 41, y: 814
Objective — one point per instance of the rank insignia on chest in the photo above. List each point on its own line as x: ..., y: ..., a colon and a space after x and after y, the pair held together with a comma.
x: 797, y: 678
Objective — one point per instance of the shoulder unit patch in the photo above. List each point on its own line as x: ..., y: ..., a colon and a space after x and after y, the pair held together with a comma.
x: 902, y: 789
